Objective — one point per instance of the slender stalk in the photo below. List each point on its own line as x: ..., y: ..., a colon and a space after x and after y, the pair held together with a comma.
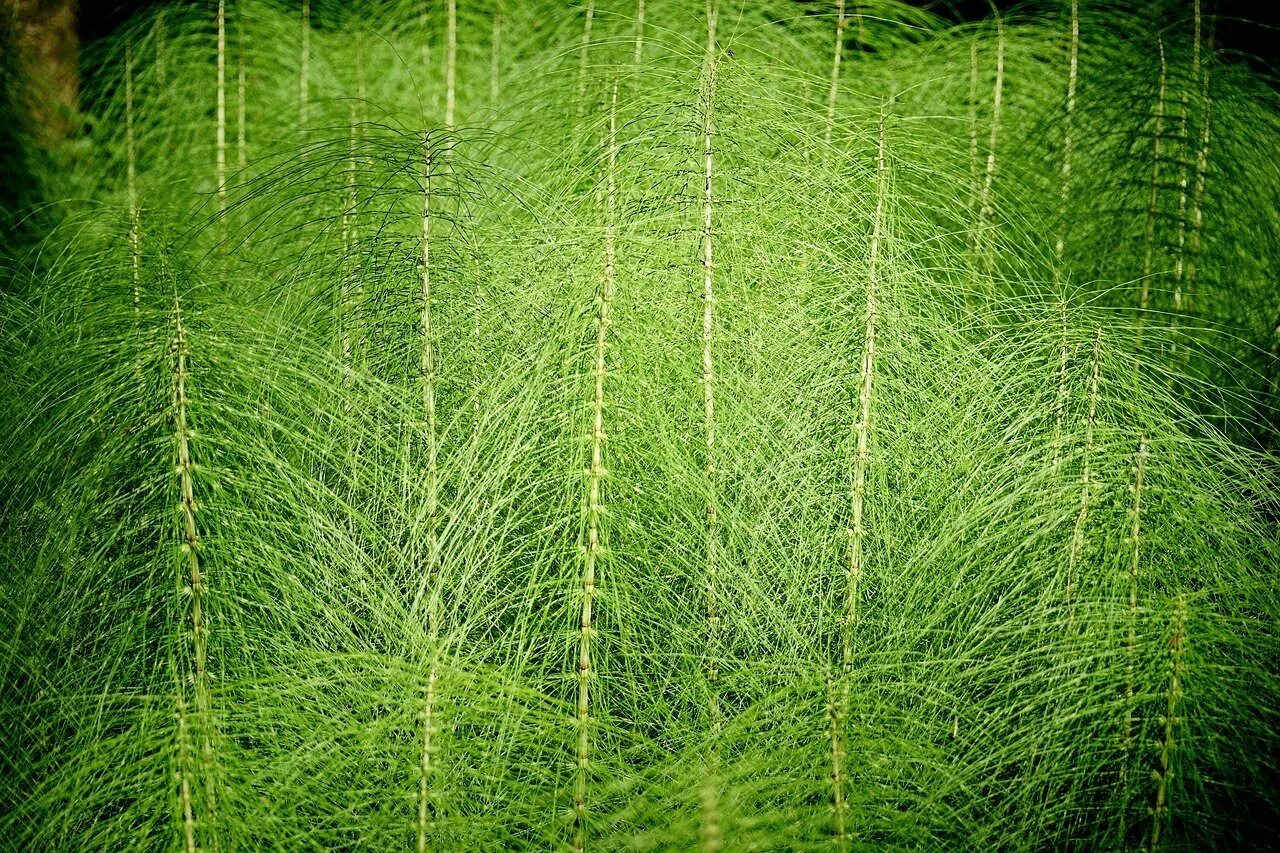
x: 1166, y: 746
x: 304, y: 69
x: 1149, y: 236
x: 593, y: 547
x: 835, y: 725
x: 220, y: 143
x: 195, y: 590
x: 985, y: 207
x: 242, y: 152
x: 855, y: 533
x: 131, y: 182
x: 584, y: 56
x: 974, y: 167
x: 1197, y: 206
x: 426, y: 808
x: 185, y: 773
x: 711, y: 821
x: 451, y: 65
x: 837, y: 55
x: 1086, y: 475
x: 1065, y: 193
x: 639, y: 32
x: 1184, y: 115
x: 1060, y: 400
x: 1135, y: 554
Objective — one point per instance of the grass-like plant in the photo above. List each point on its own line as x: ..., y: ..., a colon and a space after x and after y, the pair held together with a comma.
x: 644, y: 425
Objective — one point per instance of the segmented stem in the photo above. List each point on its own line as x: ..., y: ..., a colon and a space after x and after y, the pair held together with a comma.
x: 583, y: 57
x: 856, y: 531
x: 304, y: 69
x: 639, y: 52
x: 1197, y: 195
x: 242, y: 151
x: 426, y: 808
x: 451, y: 65
x: 593, y: 548
x: 131, y: 182
x: 711, y: 837
x: 1065, y: 193
x: 1135, y: 553
x: 196, y: 591
x: 1149, y: 236
x: 220, y: 120
x: 1166, y: 747
x: 1184, y: 116
x: 985, y: 207
x: 1086, y: 474
x: 837, y: 55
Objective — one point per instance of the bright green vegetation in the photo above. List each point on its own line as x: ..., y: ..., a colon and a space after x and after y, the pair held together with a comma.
x: 646, y: 426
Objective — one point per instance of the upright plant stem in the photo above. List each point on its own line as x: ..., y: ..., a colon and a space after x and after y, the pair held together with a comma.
x: 975, y: 182
x: 131, y: 183
x: 639, y: 52
x: 837, y: 55
x: 855, y: 533
x: 986, y: 206
x: 1197, y: 194
x: 196, y: 591
x: 1065, y: 193
x: 220, y: 119
x: 426, y: 808
x: 584, y: 55
x: 710, y: 796
x: 450, y: 65
x: 1060, y: 398
x: 1135, y: 554
x: 242, y: 153
x: 1184, y: 115
x: 1086, y: 475
x: 304, y: 66
x: 593, y: 547
x: 1149, y: 236
x: 1173, y: 695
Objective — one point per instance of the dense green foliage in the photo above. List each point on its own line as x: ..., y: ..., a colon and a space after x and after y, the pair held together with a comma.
x: 770, y: 425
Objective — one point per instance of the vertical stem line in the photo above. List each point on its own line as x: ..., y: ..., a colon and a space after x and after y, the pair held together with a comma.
x: 196, y: 590
x: 242, y: 153
x: 1135, y: 554
x: 1086, y: 476
x: 1202, y: 167
x: 593, y: 547
x: 1184, y: 115
x: 220, y: 143
x: 1173, y: 694
x: 837, y: 55
x: 1065, y: 196
x: 450, y: 65
x: 636, y: 57
x: 1149, y: 236
x: 131, y: 182
x: 710, y: 797
x: 855, y: 533
x: 583, y: 57
x: 304, y: 70
x: 426, y: 808
x: 986, y: 207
